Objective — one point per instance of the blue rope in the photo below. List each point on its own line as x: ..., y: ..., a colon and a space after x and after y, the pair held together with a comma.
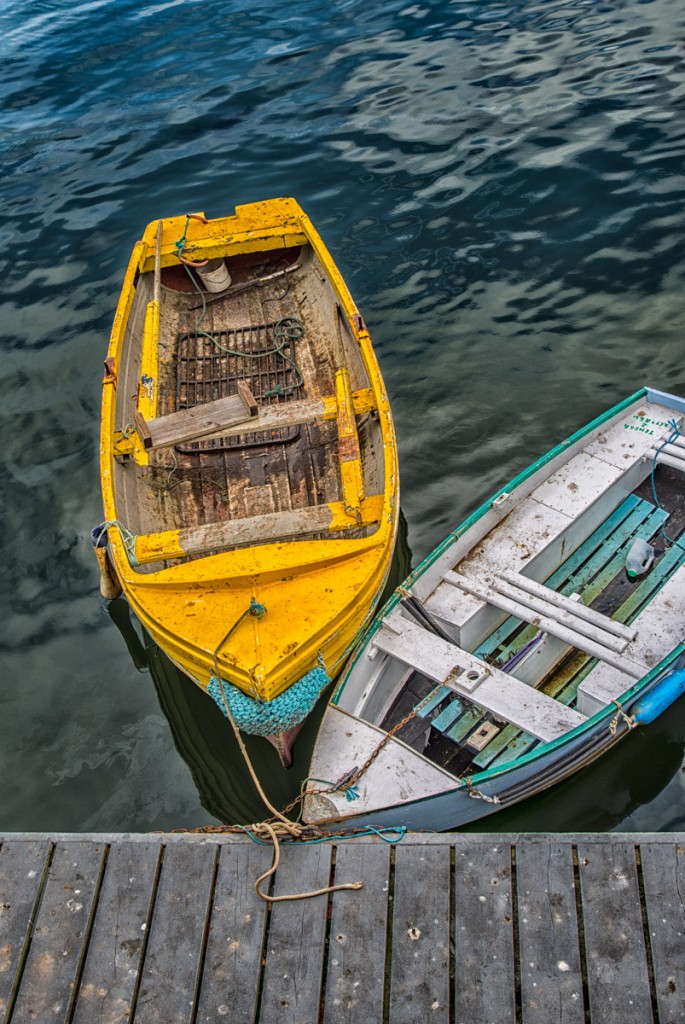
x: 181, y: 243
x: 669, y: 440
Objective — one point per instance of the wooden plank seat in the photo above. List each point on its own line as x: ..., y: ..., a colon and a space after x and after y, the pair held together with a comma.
x: 271, y: 527
x: 271, y: 417
x: 198, y: 421
x: 298, y: 413
x: 503, y: 695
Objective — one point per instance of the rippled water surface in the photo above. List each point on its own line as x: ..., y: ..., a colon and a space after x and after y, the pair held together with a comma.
x: 502, y: 186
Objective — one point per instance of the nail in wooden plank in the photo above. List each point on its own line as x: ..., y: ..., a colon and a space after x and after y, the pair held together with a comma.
x: 419, y: 980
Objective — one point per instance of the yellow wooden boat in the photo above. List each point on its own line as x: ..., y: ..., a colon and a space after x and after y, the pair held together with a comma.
x: 248, y: 459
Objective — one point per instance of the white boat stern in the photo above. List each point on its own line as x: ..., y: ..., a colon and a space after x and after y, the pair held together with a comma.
x: 396, y: 776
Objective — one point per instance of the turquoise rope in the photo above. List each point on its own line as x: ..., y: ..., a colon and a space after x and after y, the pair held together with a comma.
x: 127, y: 537
x: 399, y: 831
x: 288, y: 328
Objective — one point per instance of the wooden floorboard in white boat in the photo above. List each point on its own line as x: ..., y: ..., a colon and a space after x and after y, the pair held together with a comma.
x: 447, y: 927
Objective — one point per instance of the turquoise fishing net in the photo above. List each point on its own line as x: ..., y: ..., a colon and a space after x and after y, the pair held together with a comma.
x: 265, y: 718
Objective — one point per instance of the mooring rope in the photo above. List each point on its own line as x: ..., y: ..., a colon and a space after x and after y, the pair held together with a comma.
x: 292, y: 829
x: 299, y: 895
x: 127, y: 537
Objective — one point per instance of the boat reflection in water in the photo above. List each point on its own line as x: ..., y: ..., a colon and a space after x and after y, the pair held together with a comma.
x: 210, y: 750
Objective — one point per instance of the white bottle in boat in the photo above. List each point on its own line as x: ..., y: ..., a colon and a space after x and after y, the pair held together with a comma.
x: 639, y: 559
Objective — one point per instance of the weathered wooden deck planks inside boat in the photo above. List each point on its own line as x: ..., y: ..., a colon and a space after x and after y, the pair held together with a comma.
x: 248, y: 460
x: 527, y: 643
x: 168, y: 929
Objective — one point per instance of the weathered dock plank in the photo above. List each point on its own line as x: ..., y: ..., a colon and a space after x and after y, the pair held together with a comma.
x: 54, y: 957
x: 22, y: 868
x: 173, y: 957
x: 484, y: 935
x: 358, y: 931
x: 117, y: 942
x: 518, y: 929
x: 419, y: 983
x: 295, y: 945
x: 663, y: 870
x: 233, y: 958
x: 551, y: 969
x: 618, y: 976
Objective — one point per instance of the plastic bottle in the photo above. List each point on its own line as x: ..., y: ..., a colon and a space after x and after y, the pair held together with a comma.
x: 639, y: 559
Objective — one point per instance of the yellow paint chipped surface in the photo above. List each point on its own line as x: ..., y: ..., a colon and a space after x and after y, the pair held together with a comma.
x: 318, y: 594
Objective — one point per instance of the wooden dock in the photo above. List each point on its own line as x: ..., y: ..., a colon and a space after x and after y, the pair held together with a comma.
x: 473, y: 929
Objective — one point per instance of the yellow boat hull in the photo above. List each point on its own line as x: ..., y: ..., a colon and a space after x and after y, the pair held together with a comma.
x: 300, y: 522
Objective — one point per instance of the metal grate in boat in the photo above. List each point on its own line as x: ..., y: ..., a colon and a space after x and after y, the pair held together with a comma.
x: 205, y: 372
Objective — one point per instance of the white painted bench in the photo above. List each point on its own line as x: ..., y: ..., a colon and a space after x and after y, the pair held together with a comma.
x: 504, y: 696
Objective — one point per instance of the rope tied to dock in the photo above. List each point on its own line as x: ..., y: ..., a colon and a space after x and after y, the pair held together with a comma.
x: 293, y: 896
x: 292, y: 829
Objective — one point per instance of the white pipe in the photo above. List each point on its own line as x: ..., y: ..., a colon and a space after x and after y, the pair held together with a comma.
x: 548, y: 625
x: 575, y: 608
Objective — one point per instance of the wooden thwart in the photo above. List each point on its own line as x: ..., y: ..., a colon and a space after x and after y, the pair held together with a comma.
x: 198, y: 421
x: 273, y: 526
x: 506, y: 697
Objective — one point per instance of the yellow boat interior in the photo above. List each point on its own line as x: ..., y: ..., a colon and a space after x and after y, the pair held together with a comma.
x: 248, y: 455
x: 280, y: 328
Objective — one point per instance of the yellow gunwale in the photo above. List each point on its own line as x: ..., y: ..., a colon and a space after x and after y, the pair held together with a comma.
x: 332, y: 586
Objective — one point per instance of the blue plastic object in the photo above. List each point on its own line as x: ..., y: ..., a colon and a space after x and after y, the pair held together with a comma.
x: 665, y: 693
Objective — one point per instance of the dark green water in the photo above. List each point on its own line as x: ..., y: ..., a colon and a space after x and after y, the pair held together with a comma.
x: 501, y: 185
